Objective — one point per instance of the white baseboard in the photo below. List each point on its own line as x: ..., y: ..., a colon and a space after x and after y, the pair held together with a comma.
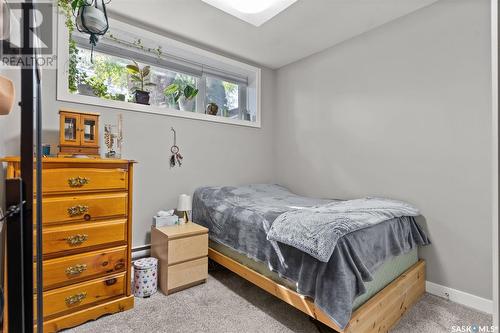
x: 457, y: 296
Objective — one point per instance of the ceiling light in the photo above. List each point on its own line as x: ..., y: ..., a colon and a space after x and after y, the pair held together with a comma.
x: 255, y: 12
x: 251, y: 6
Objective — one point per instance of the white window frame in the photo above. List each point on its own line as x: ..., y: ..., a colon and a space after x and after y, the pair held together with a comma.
x: 187, y: 51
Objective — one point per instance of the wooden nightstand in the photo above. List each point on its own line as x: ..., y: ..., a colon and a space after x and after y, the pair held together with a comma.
x: 182, y: 252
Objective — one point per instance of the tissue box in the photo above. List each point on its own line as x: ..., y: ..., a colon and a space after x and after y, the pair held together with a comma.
x: 163, y: 221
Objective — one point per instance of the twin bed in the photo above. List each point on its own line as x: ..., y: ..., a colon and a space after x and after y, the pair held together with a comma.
x: 369, y: 280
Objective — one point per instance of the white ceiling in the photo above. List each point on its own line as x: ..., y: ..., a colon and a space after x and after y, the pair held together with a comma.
x: 305, y: 28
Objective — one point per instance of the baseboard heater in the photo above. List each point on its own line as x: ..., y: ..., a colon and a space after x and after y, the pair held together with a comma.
x: 141, y: 251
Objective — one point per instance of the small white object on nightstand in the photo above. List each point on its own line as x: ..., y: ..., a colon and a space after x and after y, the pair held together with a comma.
x: 185, y: 205
x: 165, y: 218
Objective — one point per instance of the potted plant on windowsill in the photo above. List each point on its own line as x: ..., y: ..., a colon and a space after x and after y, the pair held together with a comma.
x: 92, y: 86
x: 140, y: 78
x: 83, y: 86
x: 184, y: 96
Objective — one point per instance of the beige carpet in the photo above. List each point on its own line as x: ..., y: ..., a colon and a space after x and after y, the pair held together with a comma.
x: 227, y: 303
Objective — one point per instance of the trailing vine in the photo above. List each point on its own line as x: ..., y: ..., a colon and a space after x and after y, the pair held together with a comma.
x: 72, y: 69
x: 137, y: 43
x: 67, y: 8
x: 67, y: 11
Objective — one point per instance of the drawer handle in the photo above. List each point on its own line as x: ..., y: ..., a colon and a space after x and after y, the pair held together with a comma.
x: 76, y: 239
x: 78, y: 181
x: 110, y: 282
x: 119, y: 265
x: 78, y: 210
x: 77, y: 298
x: 77, y: 269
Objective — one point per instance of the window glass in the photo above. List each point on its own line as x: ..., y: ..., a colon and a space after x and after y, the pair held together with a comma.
x: 70, y: 128
x: 225, y: 95
x: 89, y: 129
x: 107, y: 76
x: 167, y: 77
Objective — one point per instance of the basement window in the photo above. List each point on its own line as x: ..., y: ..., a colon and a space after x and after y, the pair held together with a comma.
x: 181, y: 80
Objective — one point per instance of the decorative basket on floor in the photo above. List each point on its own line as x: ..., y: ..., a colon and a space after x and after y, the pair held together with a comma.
x: 145, y: 277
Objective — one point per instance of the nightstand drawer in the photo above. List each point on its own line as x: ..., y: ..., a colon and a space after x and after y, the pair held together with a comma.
x: 78, y: 267
x: 81, y: 294
x: 187, y: 248
x: 187, y: 272
x: 82, y: 180
x: 83, y: 236
x: 84, y: 207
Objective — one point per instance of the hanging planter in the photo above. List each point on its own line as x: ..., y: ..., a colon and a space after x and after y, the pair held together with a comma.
x: 92, y: 19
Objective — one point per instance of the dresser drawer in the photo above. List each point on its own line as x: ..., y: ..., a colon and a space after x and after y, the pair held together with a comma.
x: 59, y: 271
x: 187, y: 248
x: 84, y: 207
x: 187, y: 272
x: 83, y: 236
x: 78, y: 295
x: 83, y: 179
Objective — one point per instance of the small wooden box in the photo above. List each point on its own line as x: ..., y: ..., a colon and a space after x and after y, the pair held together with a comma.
x: 78, y: 133
x: 182, y: 252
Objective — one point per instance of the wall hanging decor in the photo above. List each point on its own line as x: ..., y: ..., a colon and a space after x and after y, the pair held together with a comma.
x: 176, y: 158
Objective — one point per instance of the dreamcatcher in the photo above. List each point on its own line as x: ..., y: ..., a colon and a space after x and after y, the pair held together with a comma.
x: 176, y: 158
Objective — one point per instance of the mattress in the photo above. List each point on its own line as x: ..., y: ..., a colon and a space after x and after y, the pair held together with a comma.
x: 384, y: 275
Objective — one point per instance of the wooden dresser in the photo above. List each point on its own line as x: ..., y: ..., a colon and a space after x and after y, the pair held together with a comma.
x: 87, y: 233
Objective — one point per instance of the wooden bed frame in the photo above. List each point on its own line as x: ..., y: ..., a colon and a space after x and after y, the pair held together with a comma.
x: 378, y: 314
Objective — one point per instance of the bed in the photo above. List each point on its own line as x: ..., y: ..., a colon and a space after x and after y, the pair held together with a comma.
x: 372, y: 277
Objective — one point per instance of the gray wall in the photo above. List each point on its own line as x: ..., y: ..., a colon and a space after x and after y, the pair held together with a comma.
x: 213, y: 153
x: 402, y: 111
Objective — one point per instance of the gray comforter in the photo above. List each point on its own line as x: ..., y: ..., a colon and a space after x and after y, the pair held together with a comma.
x: 241, y: 217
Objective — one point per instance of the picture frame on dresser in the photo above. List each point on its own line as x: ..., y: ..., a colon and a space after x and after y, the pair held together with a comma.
x: 87, y: 237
